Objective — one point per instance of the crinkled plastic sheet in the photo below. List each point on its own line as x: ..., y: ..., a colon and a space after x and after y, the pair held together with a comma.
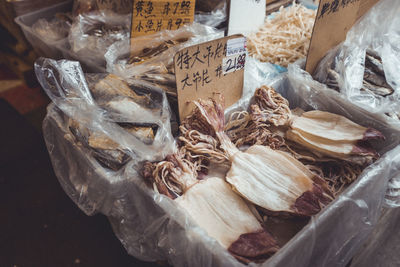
x: 92, y: 33
x: 151, y: 227
x: 52, y: 30
x: 117, y: 6
x: 91, y: 186
x: 118, y: 54
x: 377, y: 30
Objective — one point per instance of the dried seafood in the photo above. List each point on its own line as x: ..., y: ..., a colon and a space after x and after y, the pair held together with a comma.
x: 374, y: 81
x: 322, y: 132
x: 283, y: 185
x: 122, y: 105
x: 214, y: 207
x: 284, y: 38
x: 335, y: 148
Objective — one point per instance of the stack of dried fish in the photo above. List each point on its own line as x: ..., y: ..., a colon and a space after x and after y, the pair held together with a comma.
x: 374, y: 77
x: 121, y: 103
x: 374, y: 80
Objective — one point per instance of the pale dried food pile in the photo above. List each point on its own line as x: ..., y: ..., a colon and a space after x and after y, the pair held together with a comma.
x: 284, y: 38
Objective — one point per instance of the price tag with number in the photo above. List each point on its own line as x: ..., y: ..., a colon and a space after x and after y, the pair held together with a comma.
x: 209, y: 69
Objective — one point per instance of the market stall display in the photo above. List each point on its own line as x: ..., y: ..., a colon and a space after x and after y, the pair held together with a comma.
x: 269, y: 181
x: 175, y: 224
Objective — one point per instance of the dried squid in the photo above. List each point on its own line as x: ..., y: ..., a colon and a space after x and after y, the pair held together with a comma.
x: 273, y: 180
x: 213, y: 206
x: 322, y: 132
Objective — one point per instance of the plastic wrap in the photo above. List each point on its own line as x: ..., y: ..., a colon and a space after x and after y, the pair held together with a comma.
x: 22, y: 7
x: 54, y: 29
x: 92, y: 33
x: 86, y: 110
x: 117, y: 6
x: 150, y: 225
x: 121, y: 53
x: 298, y: 76
x: 375, y: 34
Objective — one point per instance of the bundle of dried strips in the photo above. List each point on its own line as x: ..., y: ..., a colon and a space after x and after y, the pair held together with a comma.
x: 284, y: 38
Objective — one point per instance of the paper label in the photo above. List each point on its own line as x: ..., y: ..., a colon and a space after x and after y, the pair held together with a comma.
x: 233, y: 63
x: 149, y: 17
x: 246, y: 16
x: 235, y: 46
x: 334, y: 19
x: 203, y: 71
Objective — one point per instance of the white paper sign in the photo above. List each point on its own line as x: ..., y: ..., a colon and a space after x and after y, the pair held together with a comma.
x: 246, y: 16
x: 236, y: 46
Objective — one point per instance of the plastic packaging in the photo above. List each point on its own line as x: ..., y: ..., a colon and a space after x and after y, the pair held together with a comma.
x: 132, y: 62
x: 54, y: 29
x: 116, y: 6
x: 22, y: 7
x: 42, y: 46
x: 151, y: 227
x: 92, y: 33
x: 347, y: 69
x: 97, y: 119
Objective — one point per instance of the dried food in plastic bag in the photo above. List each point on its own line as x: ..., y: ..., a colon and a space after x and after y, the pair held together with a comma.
x: 116, y: 6
x: 151, y: 227
x: 55, y: 29
x: 112, y: 113
x: 92, y: 33
x: 150, y: 58
x: 363, y: 67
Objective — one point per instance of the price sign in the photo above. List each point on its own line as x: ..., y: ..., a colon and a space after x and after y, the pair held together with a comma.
x: 208, y: 69
x: 333, y: 21
x: 149, y: 17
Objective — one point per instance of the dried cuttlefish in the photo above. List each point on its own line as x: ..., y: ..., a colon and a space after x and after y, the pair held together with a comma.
x: 213, y: 206
x: 271, y: 179
x: 322, y: 132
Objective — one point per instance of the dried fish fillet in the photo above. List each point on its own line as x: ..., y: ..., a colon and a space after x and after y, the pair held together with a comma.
x: 102, y: 141
x: 377, y: 90
x: 113, y: 86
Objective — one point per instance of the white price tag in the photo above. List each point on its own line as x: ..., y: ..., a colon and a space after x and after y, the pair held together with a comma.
x: 236, y: 46
x: 233, y: 63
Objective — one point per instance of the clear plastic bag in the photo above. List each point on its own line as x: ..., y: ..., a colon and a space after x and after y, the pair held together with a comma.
x: 92, y: 33
x: 151, y: 57
x: 53, y: 30
x: 354, y: 67
x: 116, y: 6
x: 150, y: 225
x: 100, y: 125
